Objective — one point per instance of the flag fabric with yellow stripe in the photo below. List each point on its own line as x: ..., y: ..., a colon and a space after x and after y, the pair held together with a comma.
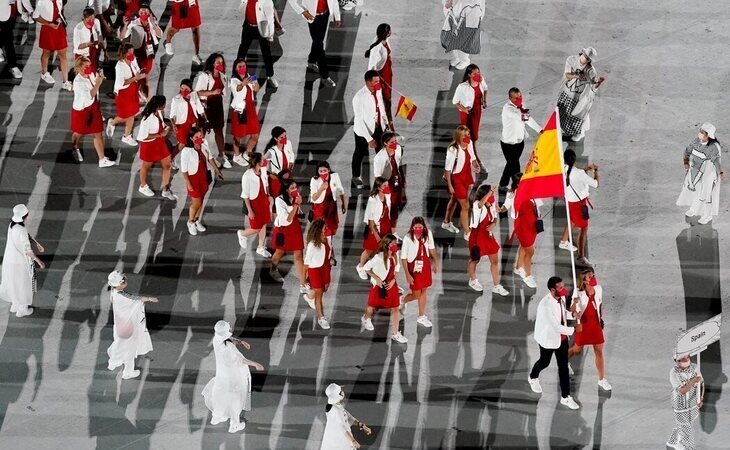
x: 406, y: 108
x: 543, y: 174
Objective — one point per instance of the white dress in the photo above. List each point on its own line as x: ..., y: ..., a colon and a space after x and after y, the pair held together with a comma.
x: 701, y: 186
x: 131, y: 337
x: 337, y: 430
x: 229, y: 392
x: 17, y: 284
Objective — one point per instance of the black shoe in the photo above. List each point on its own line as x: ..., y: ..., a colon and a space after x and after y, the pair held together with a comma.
x: 357, y: 183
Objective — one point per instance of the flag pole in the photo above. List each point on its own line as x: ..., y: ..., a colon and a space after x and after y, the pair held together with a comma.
x: 565, y: 198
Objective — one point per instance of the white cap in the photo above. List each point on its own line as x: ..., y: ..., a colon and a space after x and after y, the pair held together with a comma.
x: 19, y: 211
x: 709, y: 129
x: 223, y: 329
x: 333, y: 393
x: 115, y: 278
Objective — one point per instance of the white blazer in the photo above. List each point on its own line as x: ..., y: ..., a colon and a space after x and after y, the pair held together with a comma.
x: 250, y: 184
x: 24, y: 6
x: 409, y: 249
x: 381, y: 160
x: 548, y: 326
x: 179, y: 108
x: 282, y: 212
x: 189, y: 162
x: 464, y: 94
x: 82, y: 35
x: 473, y: 10
x: 150, y: 125
x: 335, y: 186
x: 299, y: 6
x: 314, y: 256
x: 138, y: 23
x: 99, y: 5
x: 363, y: 106
x: 509, y: 204
x: 264, y: 17
x: 582, y: 301
x: 123, y: 73
x: 378, y: 56
x: 276, y: 160
x: 455, y: 157
x: 377, y: 265
x: 44, y: 10
x: 205, y: 81
x: 374, y: 210
x: 238, y: 98
x: 82, y: 91
x: 481, y: 213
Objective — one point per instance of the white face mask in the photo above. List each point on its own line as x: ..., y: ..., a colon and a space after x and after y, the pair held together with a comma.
x: 683, y: 364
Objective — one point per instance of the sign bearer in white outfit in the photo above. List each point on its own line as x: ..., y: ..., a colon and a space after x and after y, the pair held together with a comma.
x: 701, y: 187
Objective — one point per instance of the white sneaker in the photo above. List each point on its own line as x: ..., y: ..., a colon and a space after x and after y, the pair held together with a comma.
x: 130, y: 375
x: 690, y: 213
x: 16, y: 73
x: 238, y: 159
x: 273, y: 82
x: 466, y: 236
x: 402, y: 307
x: 476, y: 285
x: 275, y: 274
x: 448, y: 226
x: 313, y: 66
x: 216, y: 420
x: 48, y: 78
x: 519, y: 271
x: 578, y: 137
x: 604, y: 384
x: 310, y: 301
x: 304, y: 288
x: 361, y: 272
x: 329, y: 82
x: 110, y: 128
x: 146, y: 191
x: 530, y: 282
x: 263, y: 252
x: 106, y: 162
x: 675, y: 446
x: 535, y: 385
x: 423, y: 320
x: 78, y: 156
x: 322, y: 321
x: 367, y: 323
x: 499, y: 289
x: 24, y: 312
x: 225, y: 162
x: 236, y: 428
x: 197, y: 61
x: 191, y: 228
x: 242, y: 240
x: 461, y: 65
x: 67, y: 86
x: 358, y: 183
x: 399, y: 338
x: 565, y: 245
x: 168, y: 49
x: 585, y: 262
x: 704, y: 220
x: 129, y: 140
x: 569, y: 402
x: 199, y: 225
x: 173, y: 165
x: 169, y: 195
x: 570, y: 370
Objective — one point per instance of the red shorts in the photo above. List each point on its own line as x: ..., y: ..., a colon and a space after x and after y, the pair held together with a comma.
x: 154, y: 150
x: 319, y: 277
x: 191, y: 13
x: 88, y: 120
x: 391, y: 300
x: 127, y: 101
x: 576, y: 214
x: 53, y: 40
x: 461, y: 190
x: 261, y: 210
x: 484, y: 243
x: 199, y: 180
x: 288, y: 238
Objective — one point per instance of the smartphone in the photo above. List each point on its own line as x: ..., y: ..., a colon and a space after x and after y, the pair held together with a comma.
x: 252, y: 78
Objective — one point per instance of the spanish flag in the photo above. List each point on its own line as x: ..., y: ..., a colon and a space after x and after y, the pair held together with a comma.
x: 406, y: 108
x: 543, y: 174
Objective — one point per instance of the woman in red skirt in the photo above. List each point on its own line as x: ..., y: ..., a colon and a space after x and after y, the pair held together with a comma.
x: 49, y: 13
x: 244, y: 117
x: 126, y: 89
x: 379, y: 59
x: 377, y: 222
x: 211, y: 87
x: 382, y: 269
x: 317, y: 266
x: 86, y: 111
x: 588, y: 309
x: 481, y: 240
x: 185, y: 15
x: 525, y: 229
x: 255, y: 195
x: 195, y: 159
x: 577, y: 193
x: 470, y: 98
x: 324, y: 190
x: 287, y: 233
x: 280, y: 154
x: 418, y: 254
x: 185, y: 111
x: 461, y: 161
x: 153, y: 146
x: 150, y: 32
x: 387, y: 164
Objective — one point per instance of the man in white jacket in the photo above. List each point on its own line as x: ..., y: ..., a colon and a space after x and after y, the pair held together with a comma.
x: 369, y: 123
x: 551, y: 333
x: 258, y: 24
x: 318, y: 13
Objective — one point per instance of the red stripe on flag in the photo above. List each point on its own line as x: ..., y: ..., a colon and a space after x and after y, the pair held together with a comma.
x: 541, y: 187
x: 400, y: 103
x: 551, y: 123
x: 412, y: 112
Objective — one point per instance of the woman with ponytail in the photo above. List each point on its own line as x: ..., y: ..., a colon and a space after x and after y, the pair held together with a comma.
x: 152, y: 137
x: 379, y: 58
x: 577, y: 184
x: 280, y: 154
x: 418, y: 255
x: 481, y: 240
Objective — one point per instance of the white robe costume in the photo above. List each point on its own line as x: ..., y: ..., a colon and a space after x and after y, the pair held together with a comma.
x: 18, y: 283
x: 337, y: 430
x: 229, y: 392
x: 701, y: 186
x: 131, y: 338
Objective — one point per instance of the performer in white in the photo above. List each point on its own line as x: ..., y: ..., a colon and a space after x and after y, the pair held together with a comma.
x: 701, y: 187
x: 131, y: 338
x: 229, y: 392
x: 18, y: 272
x: 337, y: 432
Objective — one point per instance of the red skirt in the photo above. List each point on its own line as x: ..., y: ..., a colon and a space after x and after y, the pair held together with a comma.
x: 483, y: 241
x: 88, y: 120
x: 288, y: 238
x: 53, y: 40
x: 576, y: 214
x: 370, y: 243
x: 191, y: 19
x: 274, y: 186
x: 327, y: 210
x: 319, y: 277
x: 391, y: 300
x: 184, y: 129
x: 127, y: 101
x: 386, y: 76
x: 131, y: 8
x: 422, y: 279
x: 199, y: 180
x: 252, y: 125
x: 261, y: 211
x: 461, y: 182
x: 154, y: 150
x: 396, y: 198
x: 146, y: 63
x: 591, y: 333
x: 472, y: 121
x: 526, y: 231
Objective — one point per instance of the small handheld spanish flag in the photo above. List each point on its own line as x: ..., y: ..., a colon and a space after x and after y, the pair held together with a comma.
x: 406, y: 108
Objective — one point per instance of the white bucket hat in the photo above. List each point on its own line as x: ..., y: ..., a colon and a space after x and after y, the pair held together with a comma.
x: 223, y: 329
x: 115, y: 278
x: 590, y: 53
x: 709, y: 129
x: 333, y: 393
x: 19, y: 211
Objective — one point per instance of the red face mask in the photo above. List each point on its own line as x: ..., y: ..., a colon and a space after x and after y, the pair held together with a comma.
x: 220, y: 67
x: 518, y: 102
x: 324, y: 176
x: 477, y: 77
x: 562, y: 292
x: 198, y: 141
x: 466, y: 140
x: 241, y: 71
x: 393, y: 145
x: 283, y: 140
x: 264, y: 163
x: 393, y: 248
x: 129, y: 57
x: 144, y: 17
x: 88, y: 70
x: 417, y: 233
x: 185, y: 93
x: 593, y: 282
x: 386, y: 189
x: 377, y: 86
x: 89, y: 24
x: 293, y: 194
x: 490, y: 200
